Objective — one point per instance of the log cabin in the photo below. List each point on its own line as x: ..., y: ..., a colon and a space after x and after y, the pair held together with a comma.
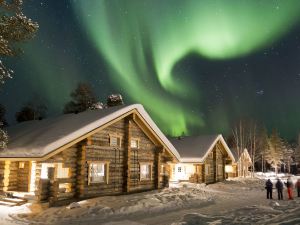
x: 241, y: 167
x: 93, y: 153
x: 203, y: 159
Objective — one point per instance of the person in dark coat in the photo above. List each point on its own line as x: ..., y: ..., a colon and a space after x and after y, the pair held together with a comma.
x: 279, y: 187
x: 289, y: 185
x: 269, y: 187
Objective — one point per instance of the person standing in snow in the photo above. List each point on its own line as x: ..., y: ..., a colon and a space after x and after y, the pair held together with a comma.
x: 289, y: 185
x: 269, y: 187
x: 279, y: 187
x: 298, y: 187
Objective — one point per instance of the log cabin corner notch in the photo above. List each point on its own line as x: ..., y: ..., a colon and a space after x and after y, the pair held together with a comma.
x: 100, y: 152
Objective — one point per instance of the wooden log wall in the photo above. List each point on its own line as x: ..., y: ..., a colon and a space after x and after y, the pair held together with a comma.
x: 100, y: 150
x: 144, y: 154
x: 221, y: 154
x: 2, y: 165
x: 197, y: 177
x: 42, y: 193
x: 11, y: 183
x: 23, y: 177
x: 210, y: 178
x: 123, y: 160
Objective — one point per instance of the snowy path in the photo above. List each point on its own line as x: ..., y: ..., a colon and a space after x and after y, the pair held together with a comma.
x: 230, y: 202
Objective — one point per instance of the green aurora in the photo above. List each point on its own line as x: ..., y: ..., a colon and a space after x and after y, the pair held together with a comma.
x: 142, y: 40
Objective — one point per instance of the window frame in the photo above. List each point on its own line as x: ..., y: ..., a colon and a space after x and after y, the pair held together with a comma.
x: 56, y: 165
x: 111, y: 136
x: 150, y: 165
x: 106, y: 172
x: 137, y: 142
x: 179, y: 168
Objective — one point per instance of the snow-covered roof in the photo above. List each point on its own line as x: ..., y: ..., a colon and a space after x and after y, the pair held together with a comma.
x: 196, y: 148
x: 245, y: 153
x: 36, y: 139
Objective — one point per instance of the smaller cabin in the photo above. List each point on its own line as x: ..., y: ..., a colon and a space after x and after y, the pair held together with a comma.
x: 203, y: 159
x: 242, y: 166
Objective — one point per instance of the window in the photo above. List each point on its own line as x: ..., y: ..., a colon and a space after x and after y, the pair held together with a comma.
x: 115, y: 141
x: 145, y: 171
x: 98, y: 172
x: 60, y: 171
x: 134, y: 143
x: 179, y: 169
x: 207, y: 169
x: 44, y: 172
x: 21, y: 165
x: 220, y: 170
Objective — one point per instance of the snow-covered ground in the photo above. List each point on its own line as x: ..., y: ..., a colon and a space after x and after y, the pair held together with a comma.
x: 236, y: 201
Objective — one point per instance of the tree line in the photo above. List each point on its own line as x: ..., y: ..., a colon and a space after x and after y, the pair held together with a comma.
x: 82, y: 98
x: 268, y: 152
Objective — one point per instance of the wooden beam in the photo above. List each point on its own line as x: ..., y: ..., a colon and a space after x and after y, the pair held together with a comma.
x: 81, y: 161
x: 6, y: 175
x: 127, y: 161
x: 158, y: 168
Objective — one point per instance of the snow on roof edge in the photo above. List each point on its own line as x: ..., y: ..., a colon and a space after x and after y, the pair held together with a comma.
x: 201, y: 160
x: 155, y: 128
x: 98, y: 123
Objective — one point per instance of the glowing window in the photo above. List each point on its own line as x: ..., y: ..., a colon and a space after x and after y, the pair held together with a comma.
x: 21, y: 165
x: 134, y: 143
x: 61, y: 172
x: 97, y: 172
x: 145, y: 171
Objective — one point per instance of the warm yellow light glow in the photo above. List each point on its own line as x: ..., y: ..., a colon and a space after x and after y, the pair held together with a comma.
x: 228, y: 169
x: 32, y: 177
x: 6, y: 175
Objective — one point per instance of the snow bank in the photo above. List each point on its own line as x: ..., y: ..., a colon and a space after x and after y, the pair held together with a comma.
x: 109, y: 207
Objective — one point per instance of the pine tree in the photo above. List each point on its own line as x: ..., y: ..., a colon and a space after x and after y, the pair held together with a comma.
x: 114, y: 100
x: 3, y: 123
x: 2, y: 115
x: 31, y: 111
x: 83, y: 98
x: 15, y: 27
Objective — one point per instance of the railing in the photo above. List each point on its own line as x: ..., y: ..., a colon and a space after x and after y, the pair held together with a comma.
x: 55, y: 189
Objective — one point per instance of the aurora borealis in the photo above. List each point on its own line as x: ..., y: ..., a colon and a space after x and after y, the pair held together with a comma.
x: 196, y: 66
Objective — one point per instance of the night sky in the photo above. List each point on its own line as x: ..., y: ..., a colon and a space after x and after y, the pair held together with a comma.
x: 196, y: 66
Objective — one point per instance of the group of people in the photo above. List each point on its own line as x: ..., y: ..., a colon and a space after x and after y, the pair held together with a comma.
x: 279, y: 186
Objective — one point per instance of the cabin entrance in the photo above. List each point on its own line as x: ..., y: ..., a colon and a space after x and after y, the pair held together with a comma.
x: 180, y: 172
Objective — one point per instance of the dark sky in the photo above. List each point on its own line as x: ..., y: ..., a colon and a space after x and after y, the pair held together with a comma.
x: 196, y: 66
